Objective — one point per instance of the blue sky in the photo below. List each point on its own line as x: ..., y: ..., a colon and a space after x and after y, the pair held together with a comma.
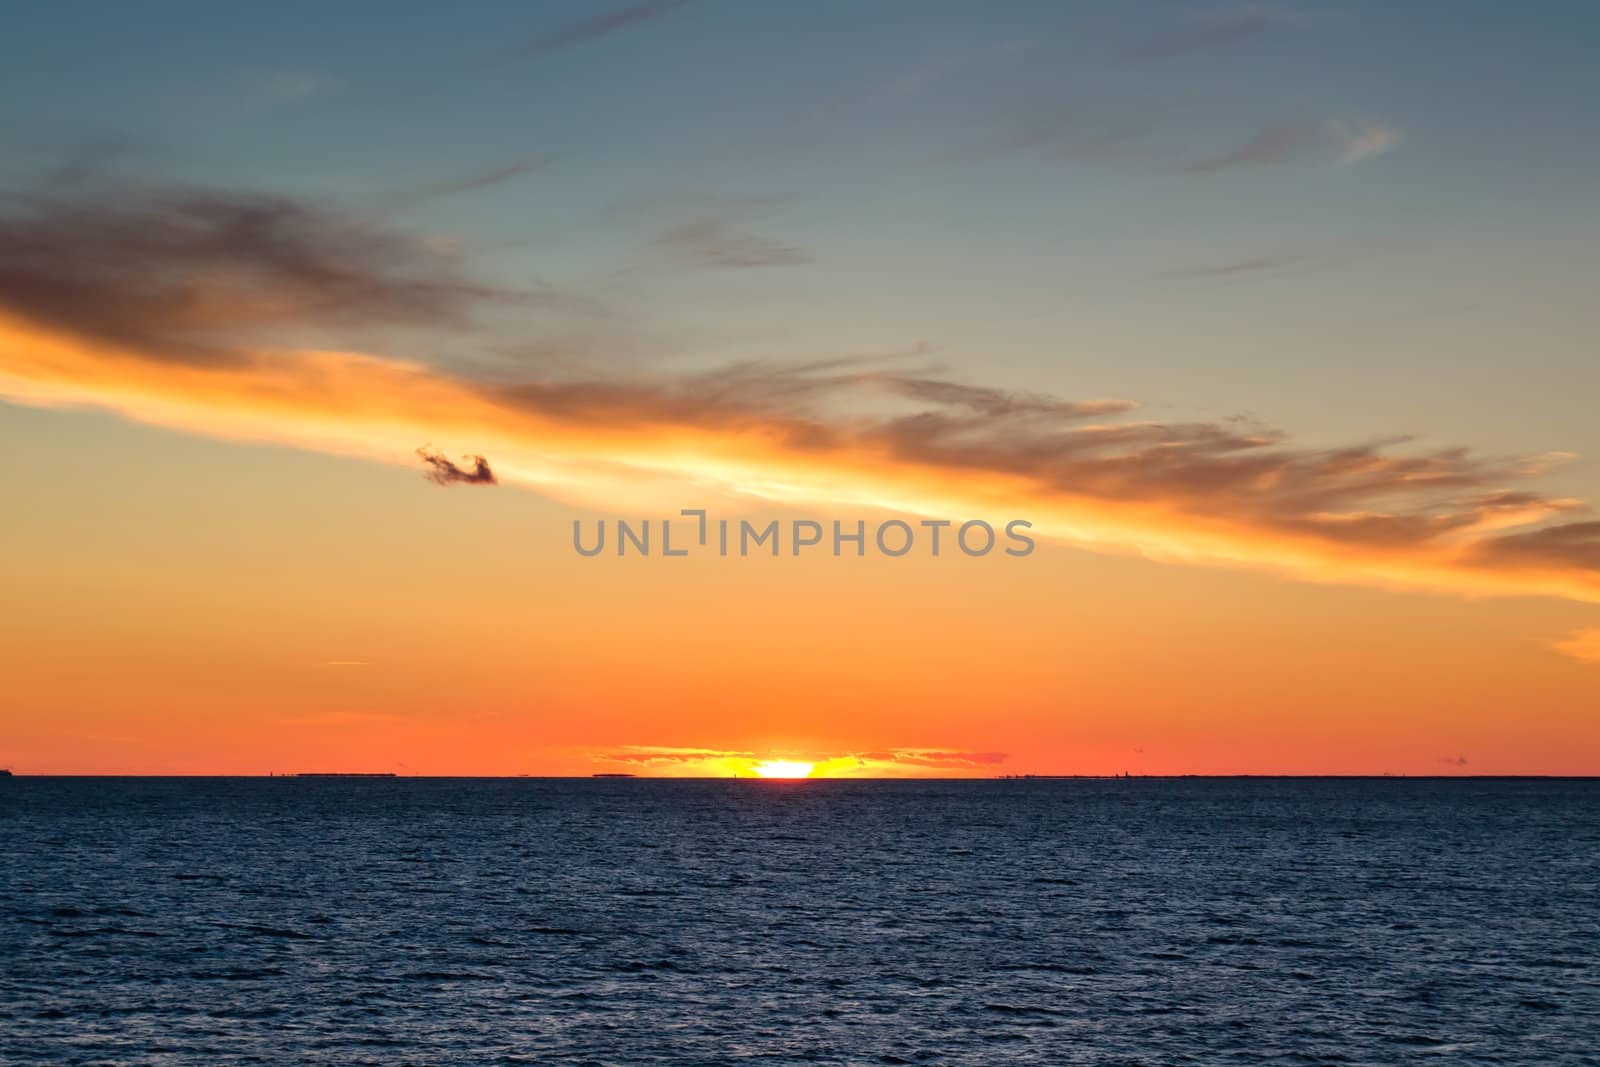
x: 1052, y: 196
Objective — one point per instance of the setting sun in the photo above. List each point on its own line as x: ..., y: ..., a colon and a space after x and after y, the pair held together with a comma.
x: 782, y: 768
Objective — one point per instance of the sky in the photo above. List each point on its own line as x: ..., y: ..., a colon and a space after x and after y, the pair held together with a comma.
x: 321, y: 328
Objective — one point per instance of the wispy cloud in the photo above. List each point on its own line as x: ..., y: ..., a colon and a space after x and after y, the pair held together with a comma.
x: 1350, y: 140
x: 466, y: 183
x: 285, y: 86
x: 845, y: 432
x: 1273, y: 143
x: 195, y: 273
x: 931, y: 757
x: 1068, y: 134
x: 651, y: 754
x: 1209, y: 30
x: 1360, y: 139
x: 830, y: 763
x: 595, y: 27
x: 1582, y: 644
x: 1248, y: 265
x: 716, y: 243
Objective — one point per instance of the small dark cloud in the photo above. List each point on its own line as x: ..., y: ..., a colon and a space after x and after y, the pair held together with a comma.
x: 1236, y: 267
x: 1454, y: 761
x: 444, y: 472
x: 595, y: 27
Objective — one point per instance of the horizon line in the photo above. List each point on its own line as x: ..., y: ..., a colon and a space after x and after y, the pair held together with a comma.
x: 385, y: 775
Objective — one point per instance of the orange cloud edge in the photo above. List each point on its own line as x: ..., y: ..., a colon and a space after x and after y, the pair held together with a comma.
x: 381, y: 409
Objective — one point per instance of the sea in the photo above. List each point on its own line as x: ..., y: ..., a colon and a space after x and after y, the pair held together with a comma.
x: 644, y: 921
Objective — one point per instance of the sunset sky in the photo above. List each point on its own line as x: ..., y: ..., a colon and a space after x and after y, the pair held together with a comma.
x: 1277, y: 321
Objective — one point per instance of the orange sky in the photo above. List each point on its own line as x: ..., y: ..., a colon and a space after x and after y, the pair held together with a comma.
x: 1303, y: 433
x: 183, y: 604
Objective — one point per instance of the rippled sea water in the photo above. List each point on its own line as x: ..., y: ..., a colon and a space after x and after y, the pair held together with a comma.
x: 433, y: 921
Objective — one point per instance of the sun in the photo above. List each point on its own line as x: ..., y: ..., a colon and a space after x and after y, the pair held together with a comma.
x: 783, y: 768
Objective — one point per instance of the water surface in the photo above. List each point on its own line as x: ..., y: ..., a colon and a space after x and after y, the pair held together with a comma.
x: 232, y: 921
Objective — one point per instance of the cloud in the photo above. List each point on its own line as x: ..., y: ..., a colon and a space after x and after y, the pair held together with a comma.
x: 1070, y: 134
x: 1273, y: 143
x: 1575, y: 544
x: 469, y: 183
x: 1581, y: 644
x: 995, y: 403
x: 715, y: 762
x: 194, y: 274
x: 719, y: 244
x: 931, y: 757
x: 1211, y: 30
x: 1454, y: 761
x: 645, y: 754
x: 442, y: 471
x: 100, y: 313
x: 1360, y: 139
x: 1354, y: 140
x: 596, y: 27
x: 1235, y: 267
x: 285, y: 85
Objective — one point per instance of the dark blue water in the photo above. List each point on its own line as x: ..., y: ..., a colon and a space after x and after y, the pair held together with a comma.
x: 171, y: 921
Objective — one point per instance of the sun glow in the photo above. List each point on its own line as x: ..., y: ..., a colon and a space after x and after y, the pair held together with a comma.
x: 783, y: 768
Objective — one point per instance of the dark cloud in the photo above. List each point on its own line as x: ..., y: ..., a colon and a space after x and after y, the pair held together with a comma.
x: 444, y: 472
x: 1573, y: 545
x: 996, y: 403
x: 188, y: 275
x: 595, y: 27
x: 1378, y: 495
x: 192, y: 274
x: 799, y: 403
